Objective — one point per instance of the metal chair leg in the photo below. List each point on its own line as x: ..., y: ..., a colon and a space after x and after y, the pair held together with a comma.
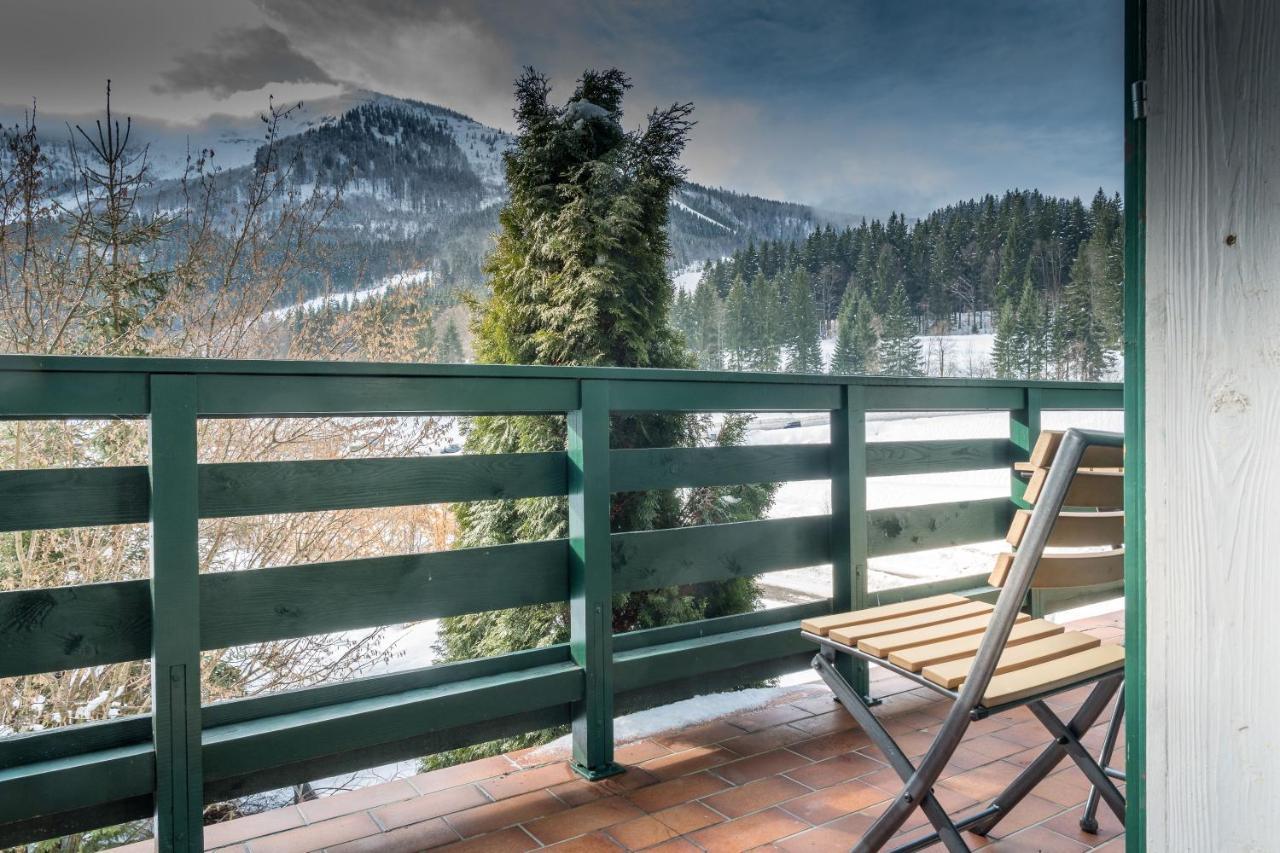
x: 1053, y: 754
x: 859, y: 710
x: 1089, y: 821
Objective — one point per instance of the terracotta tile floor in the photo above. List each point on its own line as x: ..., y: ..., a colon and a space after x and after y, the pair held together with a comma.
x: 798, y: 775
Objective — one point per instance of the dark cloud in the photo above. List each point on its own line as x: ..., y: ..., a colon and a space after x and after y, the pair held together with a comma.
x: 244, y: 60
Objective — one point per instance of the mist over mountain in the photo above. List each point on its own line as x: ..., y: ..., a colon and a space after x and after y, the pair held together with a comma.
x: 421, y: 185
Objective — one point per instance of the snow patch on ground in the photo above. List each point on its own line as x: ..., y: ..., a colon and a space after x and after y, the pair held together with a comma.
x: 687, y: 279
x: 678, y: 203
x: 348, y: 298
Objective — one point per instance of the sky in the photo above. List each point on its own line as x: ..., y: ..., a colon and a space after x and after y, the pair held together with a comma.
x: 858, y: 106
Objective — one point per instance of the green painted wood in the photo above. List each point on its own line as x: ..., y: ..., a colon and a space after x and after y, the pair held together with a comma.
x: 892, y: 458
x: 83, y: 738
x: 722, y: 680
x: 910, y: 397
x: 71, y: 627
x: 242, y: 749
x: 903, y: 530
x: 848, y: 535
x: 21, y: 832
x: 591, y: 581
x: 245, y: 607
x: 73, y: 740
x: 647, y: 637
x: 75, y: 782
x: 973, y: 585
x: 655, y: 559
x: 426, y: 742
x: 263, y: 488
x: 255, y: 396
x: 235, y: 711
x: 677, y: 467
x: 44, y: 394
x: 1135, y: 424
x: 715, y: 396
x: 1024, y: 431
x: 45, y: 498
x: 175, y: 614
x: 688, y: 658
x: 130, y: 365
x: 1082, y: 398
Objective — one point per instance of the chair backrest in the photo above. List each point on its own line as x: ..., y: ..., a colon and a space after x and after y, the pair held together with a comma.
x: 1094, y: 519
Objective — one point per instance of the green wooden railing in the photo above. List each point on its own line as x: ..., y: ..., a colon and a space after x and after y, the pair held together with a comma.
x: 181, y: 755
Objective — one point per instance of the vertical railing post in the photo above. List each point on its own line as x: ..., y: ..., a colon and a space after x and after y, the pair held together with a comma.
x: 1024, y: 430
x: 175, y: 614
x: 591, y: 580
x: 849, y: 518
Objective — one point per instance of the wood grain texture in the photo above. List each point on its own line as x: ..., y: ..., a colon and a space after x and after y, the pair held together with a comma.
x: 244, y: 607
x: 69, y: 627
x: 1212, y: 403
x: 654, y: 559
x: 885, y: 458
x: 918, y: 528
x: 676, y: 467
x: 262, y: 488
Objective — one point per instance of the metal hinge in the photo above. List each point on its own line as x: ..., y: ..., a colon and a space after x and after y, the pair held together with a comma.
x: 1138, y: 98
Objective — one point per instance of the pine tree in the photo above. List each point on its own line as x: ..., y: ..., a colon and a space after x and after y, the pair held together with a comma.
x: 578, y: 277
x: 1006, y: 355
x: 1030, y: 325
x: 737, y: 326
x: 804, y: 345
x: 856, y: 341
x: 900, y: 350
x: 706, y: 320
x: 450, y: 344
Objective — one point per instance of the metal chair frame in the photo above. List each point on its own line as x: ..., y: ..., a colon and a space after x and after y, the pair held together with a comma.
x: 918, y: 780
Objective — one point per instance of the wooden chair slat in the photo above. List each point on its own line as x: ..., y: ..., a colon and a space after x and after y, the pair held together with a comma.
x: 851, y: 634
x: 1074, y: 529
x: 1058, y: 571
x: 1050, y: 440
x: 1100, y: 487
x: 915, y: 658
x: 822, y: 625
x: 952, y: 674
x: 1060, y: 672
x: 881, y: 645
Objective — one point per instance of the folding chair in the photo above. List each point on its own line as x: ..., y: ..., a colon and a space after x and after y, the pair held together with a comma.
x: 991, y: 659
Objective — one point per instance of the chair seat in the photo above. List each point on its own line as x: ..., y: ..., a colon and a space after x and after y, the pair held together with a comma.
x: 938, y: 638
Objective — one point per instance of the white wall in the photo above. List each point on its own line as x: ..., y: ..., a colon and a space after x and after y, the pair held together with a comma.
x: 1213, y: 425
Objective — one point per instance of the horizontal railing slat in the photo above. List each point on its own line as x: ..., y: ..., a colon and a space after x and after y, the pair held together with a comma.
x: 891, y: 458
x: 238, y: 608
x: 242, y: 749
x: 42, y: 498
x: 908, y: 397
x: 69, y: 627
x: 263, y: 488
x: 40, y: 395
x: 654, y: 559
x: 902, y: 530
x: 651, y: 665
x: 711, y: 396
x: 676, y: 467
x: 225, y: 395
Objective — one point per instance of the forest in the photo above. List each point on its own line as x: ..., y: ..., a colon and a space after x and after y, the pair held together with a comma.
x: 1044, y: 274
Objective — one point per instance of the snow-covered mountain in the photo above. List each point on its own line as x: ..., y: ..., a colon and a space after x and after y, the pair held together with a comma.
x: 422, y: 183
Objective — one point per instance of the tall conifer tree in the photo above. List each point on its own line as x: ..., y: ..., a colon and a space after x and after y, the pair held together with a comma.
x: 579, y: 278
x: 900, y: 349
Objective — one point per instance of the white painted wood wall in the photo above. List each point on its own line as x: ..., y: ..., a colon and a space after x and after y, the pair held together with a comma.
x: 1213, y: 425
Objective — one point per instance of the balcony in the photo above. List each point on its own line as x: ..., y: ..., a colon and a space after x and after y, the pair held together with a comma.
x: 182, y: 753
